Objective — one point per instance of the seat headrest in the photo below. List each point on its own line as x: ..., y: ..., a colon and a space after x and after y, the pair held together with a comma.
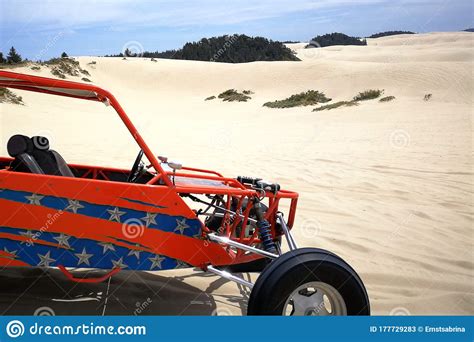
x: 40, y: 143
x: 19, y: 144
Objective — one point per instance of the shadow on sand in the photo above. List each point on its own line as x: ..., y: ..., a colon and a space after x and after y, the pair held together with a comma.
x: 29, y: 291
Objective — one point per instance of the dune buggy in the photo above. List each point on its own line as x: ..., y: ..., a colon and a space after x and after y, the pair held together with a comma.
x: 160, y: 216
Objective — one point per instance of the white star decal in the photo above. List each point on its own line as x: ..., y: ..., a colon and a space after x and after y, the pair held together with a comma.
x: 45, y: 260
x: 119, y: 263
x: 73, y: 206
x: 30, y: 237
x: 107, y: 247
x: 63, y: 240
x: 34, y: 199
x: 156, y: 261
x: 10, y: 252
x: 182, y: 225
x: 83, y: 257
x: 135, y: 252
x: 115, y: 214
x: 181, y: 264
x: 149, y: 219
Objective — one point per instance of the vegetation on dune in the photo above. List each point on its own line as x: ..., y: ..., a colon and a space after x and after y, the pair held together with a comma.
x: 370, y: 94
x: 387, y: 99
x: 308, y: 98
x: 427, y: 97
x: 336, y: 105
x: 232, y: 95
x: 389, y: 33
x: 209, y: 98
x: 85, y: 79
x: 227, y: 49
x: 58, y: 73
x: 60, y: 67
x: 7, y: 96
x: 335, y: 38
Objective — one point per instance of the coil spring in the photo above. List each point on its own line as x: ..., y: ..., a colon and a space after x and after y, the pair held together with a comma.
x: 265, y: 236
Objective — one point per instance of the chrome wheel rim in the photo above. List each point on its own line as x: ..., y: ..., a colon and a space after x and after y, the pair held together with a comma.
x: 315, y: 299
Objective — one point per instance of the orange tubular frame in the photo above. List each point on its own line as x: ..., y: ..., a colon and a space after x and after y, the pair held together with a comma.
x: 231, y: 189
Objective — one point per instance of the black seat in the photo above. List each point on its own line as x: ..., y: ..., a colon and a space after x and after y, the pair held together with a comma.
x: 21, y: 148
x: 50, y: 161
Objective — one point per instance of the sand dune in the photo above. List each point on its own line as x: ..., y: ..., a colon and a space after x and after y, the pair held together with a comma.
x: 388, y: 186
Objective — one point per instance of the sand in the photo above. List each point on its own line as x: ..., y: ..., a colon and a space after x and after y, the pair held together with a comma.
x: 387, y: 186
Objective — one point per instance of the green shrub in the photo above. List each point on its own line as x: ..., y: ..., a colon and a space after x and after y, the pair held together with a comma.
x: 368, y: 95
x: 35, y: 68
x: 60, y: 67
x: 311, y: 97
x: 387, y: 99
x: 428, y: 97
x: 248, y: 92
x: 7, y: 96
x: 85, y: 79
x: 232, y: 95
x: 58, y: 73
x: 209, y: 98
x: 336, y: 105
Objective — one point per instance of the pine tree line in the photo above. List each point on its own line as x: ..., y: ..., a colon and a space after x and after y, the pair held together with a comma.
x: 389, y: 33
x: 13, y: 57
x: 335, y: 38
x: 228, y: 49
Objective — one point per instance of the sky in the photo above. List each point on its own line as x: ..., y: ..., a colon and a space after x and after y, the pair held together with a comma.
x: 43, y: 29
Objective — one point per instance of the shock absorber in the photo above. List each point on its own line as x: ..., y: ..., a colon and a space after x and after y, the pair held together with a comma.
x: 264, y: 228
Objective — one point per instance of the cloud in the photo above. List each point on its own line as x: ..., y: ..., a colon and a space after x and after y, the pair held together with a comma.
x: 53, y: 14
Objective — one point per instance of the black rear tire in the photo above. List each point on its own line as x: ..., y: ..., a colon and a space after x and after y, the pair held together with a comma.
x: 291, y: 270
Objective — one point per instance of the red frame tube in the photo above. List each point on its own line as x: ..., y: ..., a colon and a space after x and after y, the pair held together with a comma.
x: 232, y: 188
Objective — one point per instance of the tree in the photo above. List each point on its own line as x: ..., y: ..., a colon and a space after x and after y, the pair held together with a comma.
x: 335, y: 38
x: 64, y: 55
x: 2, y: 59
x: 13, y: 56
x: 228, y: 49
x: 389, y: 33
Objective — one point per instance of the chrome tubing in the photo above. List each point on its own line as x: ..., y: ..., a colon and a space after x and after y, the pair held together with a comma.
x: 289, y: 238
x: 227, y: 241
x: 230, y: 276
